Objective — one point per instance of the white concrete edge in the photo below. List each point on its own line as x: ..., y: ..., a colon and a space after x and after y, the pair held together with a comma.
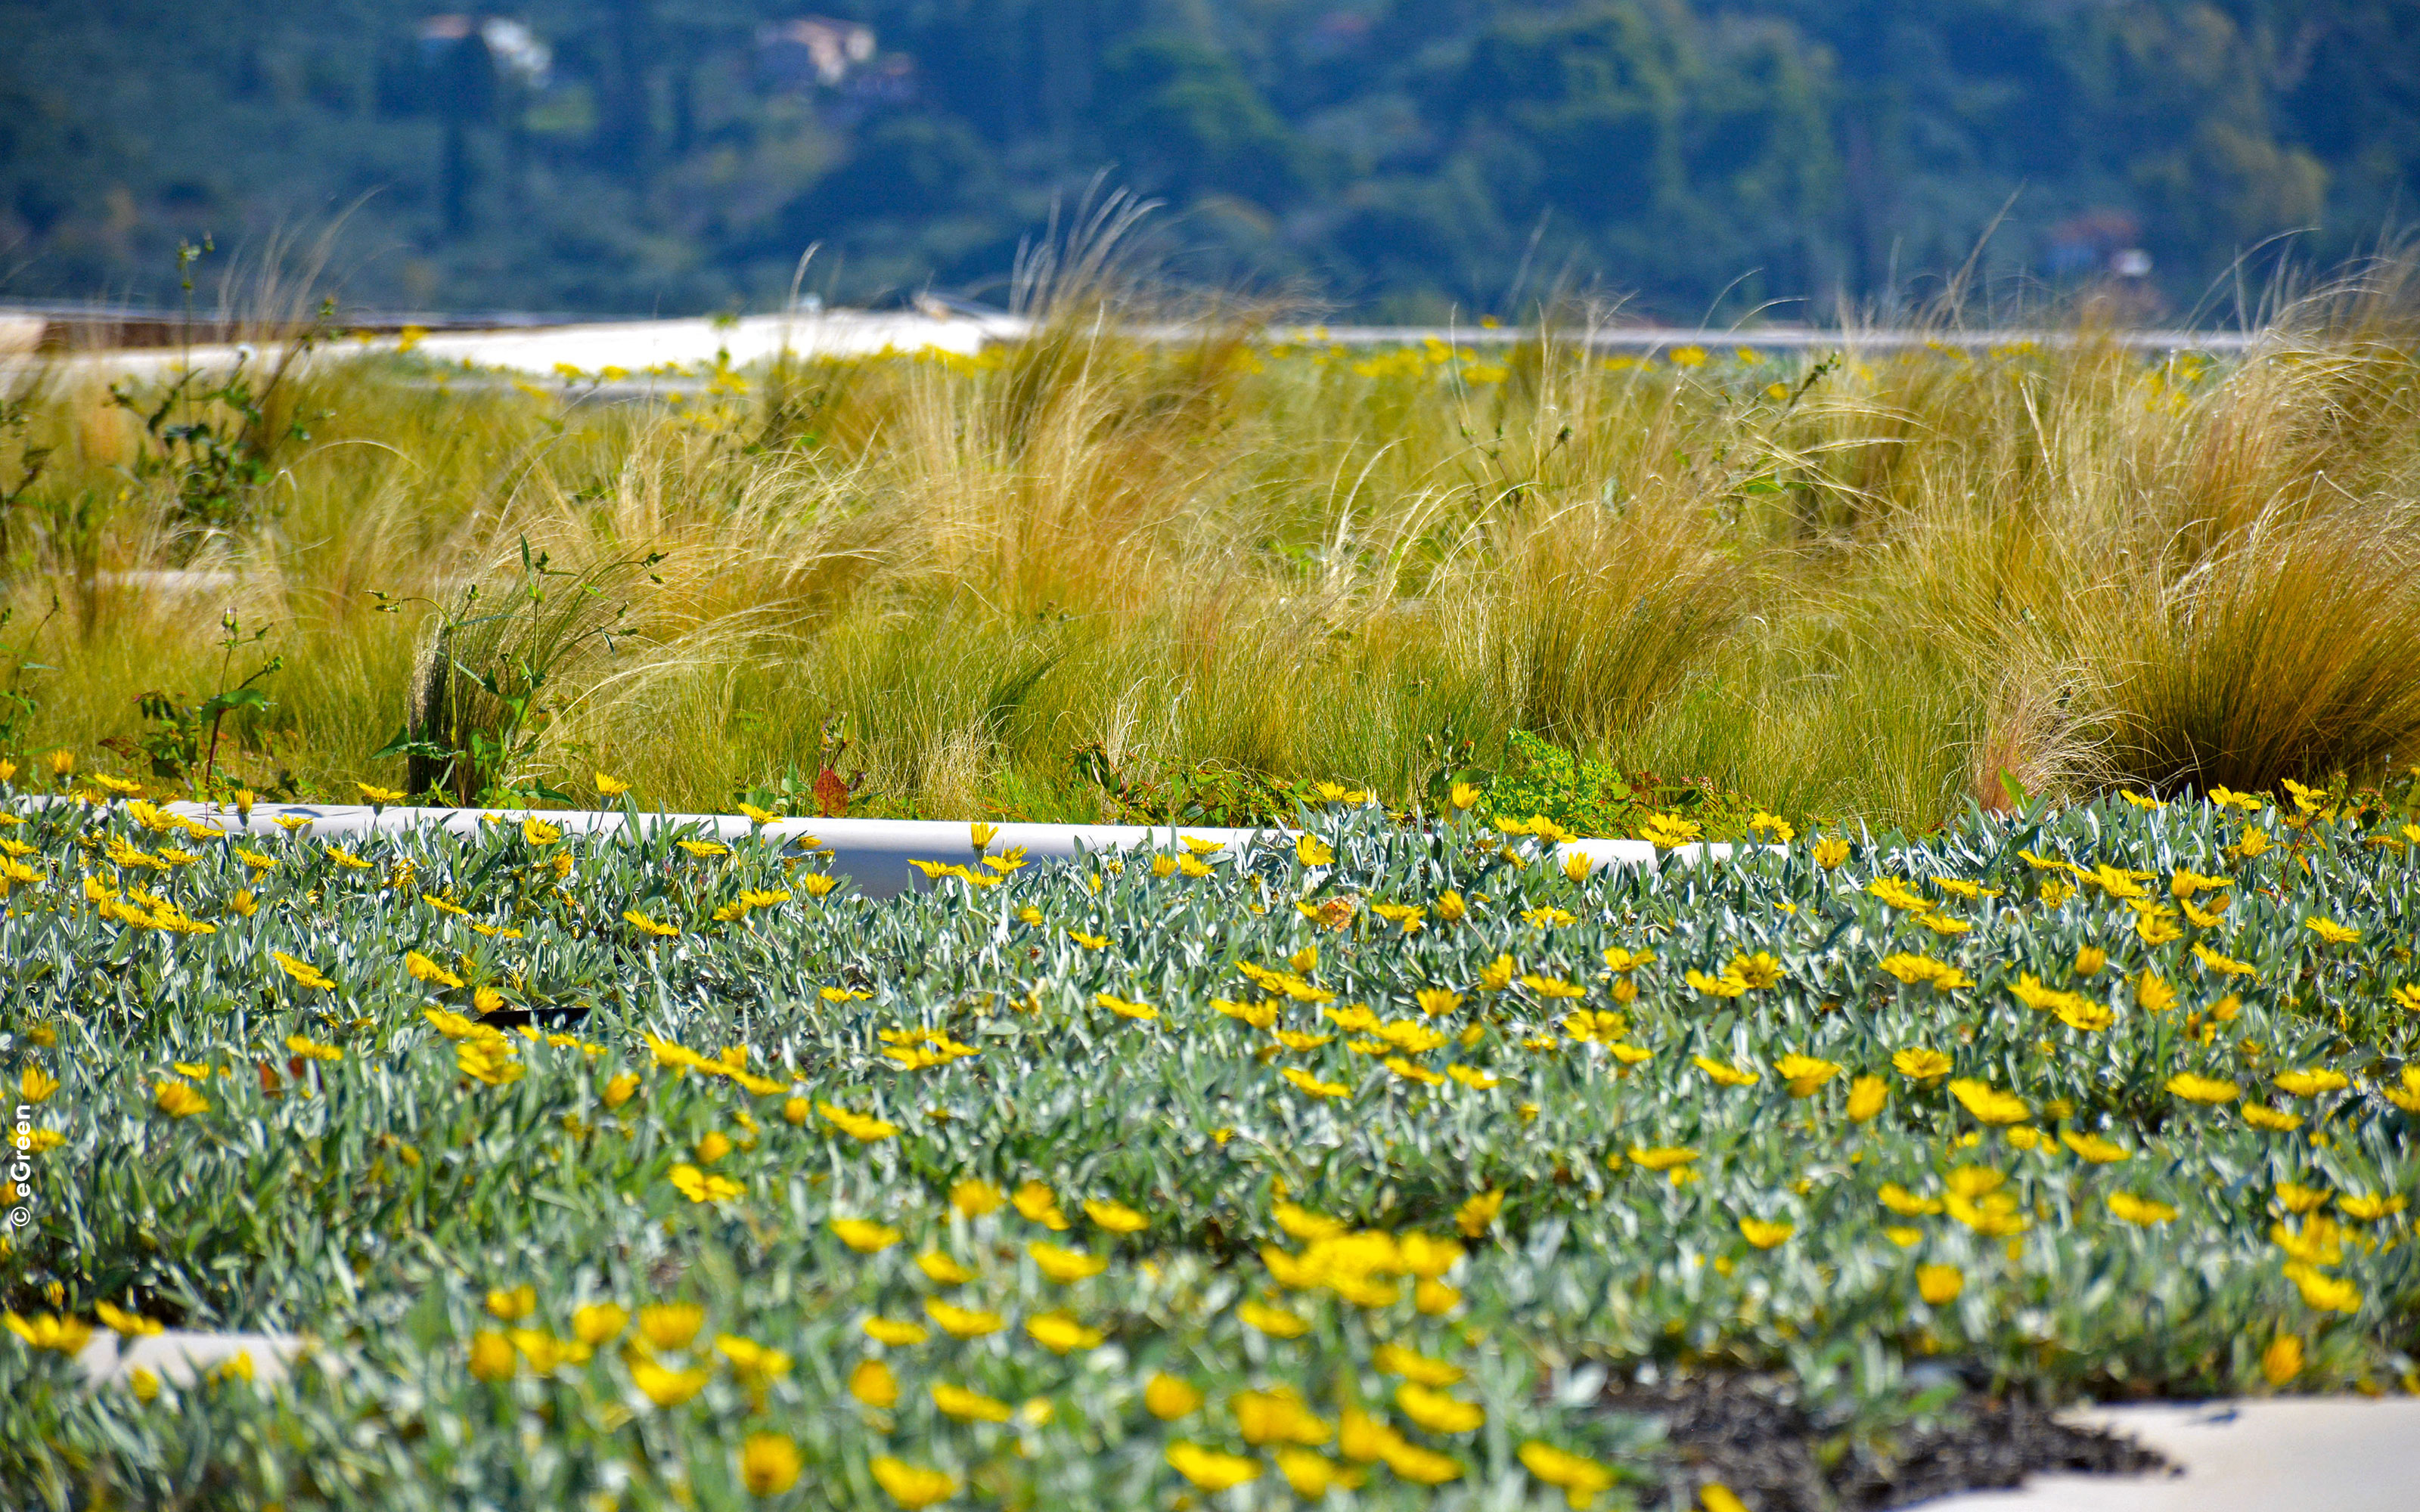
x: 179, y: 1358
x: 874, y: 853
x: 2343, y: 1454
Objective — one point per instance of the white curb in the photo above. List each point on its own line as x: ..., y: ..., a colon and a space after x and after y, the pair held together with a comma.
x: 179, y: 1359
x: 2329, y: 1454
x: 876, y: 852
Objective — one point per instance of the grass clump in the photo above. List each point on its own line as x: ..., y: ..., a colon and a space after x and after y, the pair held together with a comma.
x: 1082, y: 575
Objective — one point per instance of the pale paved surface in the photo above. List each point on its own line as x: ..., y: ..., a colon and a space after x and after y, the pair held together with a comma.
x: 2280, y: 1455
x: 179, y: 1358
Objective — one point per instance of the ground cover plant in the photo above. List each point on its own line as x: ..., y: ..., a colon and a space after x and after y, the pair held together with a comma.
x: 1081, y: 578
x: 1387, y: 1164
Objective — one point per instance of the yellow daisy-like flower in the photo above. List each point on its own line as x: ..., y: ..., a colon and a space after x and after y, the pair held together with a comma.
x: 302, y: 971
x: 1275, y: 1322
x: 2142, y: 1210
x: 865, y: 1235
x: 1765, y: 1233
x: 1210, y: 1468
x: 2196, y: 1088
x: 911, y: 1486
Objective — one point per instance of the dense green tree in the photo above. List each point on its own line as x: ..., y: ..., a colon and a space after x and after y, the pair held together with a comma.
x: 1404, y: 156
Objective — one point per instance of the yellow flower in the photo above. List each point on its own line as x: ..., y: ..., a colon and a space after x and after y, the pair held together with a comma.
x: 1477, y: 1212
x: 1273, y: 1321
x: 958, y: 1322
x: 612, y: 787
x: 64, y: 1336
x: 1059, y: 1334
x: 913, y: 1485
x: 424, y: 969
x: 943, y: 1269
x: 898, y: 1330
x: 857, y: 1126
x: 1989, y: 1105
x: 2223, y: 965
x: 648, y: 926
x: 492, y: 1357
x: 1395, y: 1360
x: 2272, y: 1119
x: 35, y: 1084
x: 2093, y: 1148
x: 1866, y: 1095
x: 1064, y: 1266
x: 665, y: 1386
x: 1669, y: 831
x: 1729, y: 984
x: 2202, y: 1088
x: 620, y: 1089
x: 599, y: 1322
x: 1893, y: 893
x: 971, y: 1406
x: 1939, y: 1283
x: 1920, y: 1064
x: 865, y: 1235
x: 1900, y: 1200
x: 2329, y: 930
x: 770, y: 1464
x: 1209, y: 1469
x: 2141, y: 1210
x: 178, y: 1099
x: 1311, y: 1474
x: 1422, y: 1467
x: 872, y: 1384
x: 1436, y: 1412
x: 2369, y: 1207
x: 1725, y: 1076
x: 671, y: 1325
x: 1276, y: 1416
x: 129, y: 1325
x: 1805, y: 1074
x: 2282, y: 1360
x: 1312, y: 1085
x: 698, y: 1186
x: 2085, y: 1016
x: 2327, y: 1293
x: 1451, y: 908
x: 1831, y: 851
x: 1124, y: 1009
x: 1089, y: 942
x: 302, y: 971
x: 1168, y: 1398
x: 1765, y: 1233
x: 1035, y: 1202
x: 2311, y: 1082
x: 975, y: 1198
x: 1580, y: 1479
x: 513, y: 1305
x: 1310, y: 852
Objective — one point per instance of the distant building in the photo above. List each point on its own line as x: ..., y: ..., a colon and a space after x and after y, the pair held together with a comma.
x: 514, y: 47
x: 811, y: 52
x: 2097, y: 242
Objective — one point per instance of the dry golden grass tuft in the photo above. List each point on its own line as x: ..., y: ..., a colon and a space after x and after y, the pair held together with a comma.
x: 1869, y: 592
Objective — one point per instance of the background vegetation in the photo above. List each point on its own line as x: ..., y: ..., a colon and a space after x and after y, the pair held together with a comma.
x: 1397, y: 156
x: 1081, y: 578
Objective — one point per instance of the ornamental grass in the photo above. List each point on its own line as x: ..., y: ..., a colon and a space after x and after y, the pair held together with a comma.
x: 1067, y: 575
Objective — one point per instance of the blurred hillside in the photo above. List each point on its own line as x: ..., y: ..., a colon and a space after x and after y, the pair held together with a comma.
x: 1400, y: 158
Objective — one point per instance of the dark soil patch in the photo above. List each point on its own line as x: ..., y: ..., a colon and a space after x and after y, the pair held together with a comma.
x: 1751, y: 1434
